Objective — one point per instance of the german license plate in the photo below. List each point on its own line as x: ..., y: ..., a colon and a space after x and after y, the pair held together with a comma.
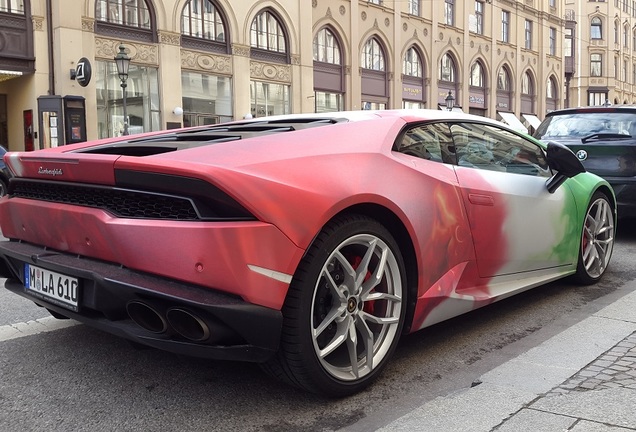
x: 51, y: 286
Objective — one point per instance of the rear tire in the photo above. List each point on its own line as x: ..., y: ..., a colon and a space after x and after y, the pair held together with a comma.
x: 344, y: 311
x: 597, y: 240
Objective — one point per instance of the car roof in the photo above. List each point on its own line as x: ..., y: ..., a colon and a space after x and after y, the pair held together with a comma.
x: 594, y: 109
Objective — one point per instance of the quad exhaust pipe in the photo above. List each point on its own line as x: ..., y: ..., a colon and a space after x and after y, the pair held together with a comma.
x: 179, y: 320
x: 188, y: 325
x: 146, y: 316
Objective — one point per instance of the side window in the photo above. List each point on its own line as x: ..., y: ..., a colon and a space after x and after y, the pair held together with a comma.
x: 492, y: 148
x: 430, y: 141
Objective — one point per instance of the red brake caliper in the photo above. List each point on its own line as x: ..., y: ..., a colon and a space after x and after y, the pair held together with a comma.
x: 369, y: 307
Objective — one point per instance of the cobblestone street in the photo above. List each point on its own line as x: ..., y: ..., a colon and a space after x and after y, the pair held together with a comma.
x: 616, y: 368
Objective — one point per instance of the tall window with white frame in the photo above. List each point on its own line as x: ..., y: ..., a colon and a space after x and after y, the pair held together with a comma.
x: 528, y: 34
x: 449, y: 12
x: 626, y: 36
x: 505, y: 26
x: 479, y: 17
x: 596, y: 65
x: 414, y: 7
x: 616, y: 68
x: 596, y: 28
x: 553, y: 39
x: 616, y: 31
x: 568, y: 49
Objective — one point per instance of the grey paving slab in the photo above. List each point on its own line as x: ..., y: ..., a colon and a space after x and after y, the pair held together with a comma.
x: 477, y: 410
x: 579, y: 380
x: 586, y: 426
x: 615, y: 406
x: 536, y: 421
x: 548, y: 365
x: 624, y: 310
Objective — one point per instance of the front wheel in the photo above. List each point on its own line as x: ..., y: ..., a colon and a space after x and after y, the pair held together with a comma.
x: 597, y: 240
x: 344, y: 311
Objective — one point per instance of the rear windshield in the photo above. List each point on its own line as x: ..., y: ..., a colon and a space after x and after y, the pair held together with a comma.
x: 582, y: 124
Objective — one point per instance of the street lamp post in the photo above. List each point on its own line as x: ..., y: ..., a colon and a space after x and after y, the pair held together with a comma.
x: 123, y: 62
x: 450, y: 101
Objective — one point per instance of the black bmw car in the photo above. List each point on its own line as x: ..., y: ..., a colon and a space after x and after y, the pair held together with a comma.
x: 604, y: 140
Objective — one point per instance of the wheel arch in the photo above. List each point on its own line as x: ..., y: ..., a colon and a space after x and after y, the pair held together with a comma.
x: 401, y: 235
x: 610, y: 194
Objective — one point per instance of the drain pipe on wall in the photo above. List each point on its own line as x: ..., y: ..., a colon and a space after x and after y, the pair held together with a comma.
x: 49, y: 25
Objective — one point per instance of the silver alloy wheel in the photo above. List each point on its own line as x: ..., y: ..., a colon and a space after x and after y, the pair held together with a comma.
x: 598, y: 237
x: 356, y: 307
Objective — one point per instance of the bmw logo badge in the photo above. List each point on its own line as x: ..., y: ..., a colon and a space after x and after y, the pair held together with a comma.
x: 581, y: 154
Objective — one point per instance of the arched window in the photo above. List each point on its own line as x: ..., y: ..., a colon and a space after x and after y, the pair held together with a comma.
x: 550, y: 87
x: 626, y: 36
x: 503, y: 79
x: 267, y: 33
x: 476, y: 75
x: 596, y: 28
x: 201, y: 19
x: 477, y: 101
x: 413, y: 85
x: 329, y: 80
x: 203, y: 26
x: 129, y: 13
x: 504, y: 90
x: 375, y: 82
x: 372, y: 56
x: 412, y: 65
x: 616, y: 32
x: 527, y: 86
x: 326, y: 48
x: 447, y: 68
x: 528, y: 95
x: 134, y: 18
x: 447, y: 84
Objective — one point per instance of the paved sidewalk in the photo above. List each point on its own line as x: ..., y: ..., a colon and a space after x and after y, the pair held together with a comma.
x: 581, y: 380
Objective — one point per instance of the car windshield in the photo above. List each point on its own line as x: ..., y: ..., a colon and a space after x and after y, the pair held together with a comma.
x: 582, y: 124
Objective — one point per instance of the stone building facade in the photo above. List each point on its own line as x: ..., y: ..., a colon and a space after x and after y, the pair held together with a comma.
x: 200, y: 62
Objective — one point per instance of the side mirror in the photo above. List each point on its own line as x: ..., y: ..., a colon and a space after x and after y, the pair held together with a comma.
x: 565, y: 164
